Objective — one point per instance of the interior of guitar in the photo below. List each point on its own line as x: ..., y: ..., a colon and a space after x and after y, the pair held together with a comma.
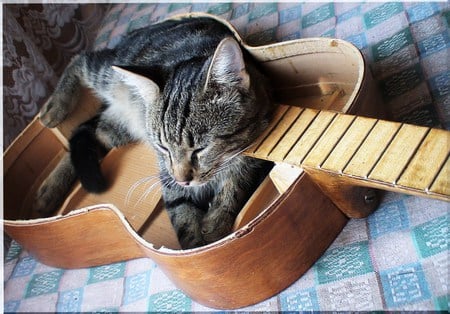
x: 324, y: 75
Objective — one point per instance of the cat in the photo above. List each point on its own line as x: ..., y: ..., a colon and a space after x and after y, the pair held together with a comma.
x: 187, y: 88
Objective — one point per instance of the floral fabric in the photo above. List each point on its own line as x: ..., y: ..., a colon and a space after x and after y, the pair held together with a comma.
x: 38, y: 42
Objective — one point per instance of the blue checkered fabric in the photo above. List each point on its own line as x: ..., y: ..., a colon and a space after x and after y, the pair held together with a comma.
x: 396, y: 259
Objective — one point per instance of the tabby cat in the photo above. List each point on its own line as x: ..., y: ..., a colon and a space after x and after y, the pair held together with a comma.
x: 186, y: 87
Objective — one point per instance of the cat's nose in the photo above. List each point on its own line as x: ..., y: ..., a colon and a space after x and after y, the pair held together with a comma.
x: 182, y: 175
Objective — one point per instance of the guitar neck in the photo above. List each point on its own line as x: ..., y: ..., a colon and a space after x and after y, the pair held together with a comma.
x: 363, y: 151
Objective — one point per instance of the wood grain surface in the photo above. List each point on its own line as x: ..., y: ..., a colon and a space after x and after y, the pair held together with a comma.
x: 360, y: 151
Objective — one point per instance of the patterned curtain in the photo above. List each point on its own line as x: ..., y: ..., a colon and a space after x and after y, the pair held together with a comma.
x: 38, y: 41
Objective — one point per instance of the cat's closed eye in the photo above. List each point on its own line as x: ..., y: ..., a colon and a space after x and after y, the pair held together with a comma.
x: 197, y: 151
x: 196, y: 154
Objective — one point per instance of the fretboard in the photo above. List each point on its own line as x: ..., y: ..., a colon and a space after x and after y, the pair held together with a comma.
x: 370, y: 152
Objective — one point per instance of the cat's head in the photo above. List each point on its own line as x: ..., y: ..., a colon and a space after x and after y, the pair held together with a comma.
x: 205, y: 112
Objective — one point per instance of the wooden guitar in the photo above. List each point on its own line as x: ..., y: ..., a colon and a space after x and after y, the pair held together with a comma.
x: 340, y: 151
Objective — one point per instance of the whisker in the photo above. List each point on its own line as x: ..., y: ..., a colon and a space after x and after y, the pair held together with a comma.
x: 135, y: 186
x: 227, y: 162
x: 147, y: 192
x: 241, y: 151
x: 167, y: 181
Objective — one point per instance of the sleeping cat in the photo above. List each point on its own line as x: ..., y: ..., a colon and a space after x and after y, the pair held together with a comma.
x: 185, y: 87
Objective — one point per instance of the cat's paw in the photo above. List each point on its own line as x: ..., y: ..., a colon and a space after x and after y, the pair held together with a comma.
x: 191, y: 242
x: 190, y: 237
x: 47, y: 200
x: 54, y: 111
x: 53, y: 190
x: 215, y: 227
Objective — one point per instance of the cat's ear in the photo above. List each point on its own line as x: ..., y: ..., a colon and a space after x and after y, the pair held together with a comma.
x: 144, y: 86
x: 228, y: 66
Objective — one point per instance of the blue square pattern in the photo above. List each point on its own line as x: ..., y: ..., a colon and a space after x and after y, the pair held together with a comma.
x: 136, y: 287
x: 111, y: 310
x: 442, y: 303
x: 219, y: 8
x: 169, y: 301
x: 344, y: 262
x: 24, y: 267
x: 70, y: 300
x: 106, y: 272
x: 330, y: 33
x: 389, y: 218
x: 259, y: 10
x: 320, y: 14
x: 404, y: 285
x: 44, y: 283
x: 390, y: 46
x: 304, y: 300
x: 13, y: 252
x: 290, y: 14
x: 381, y: 13
x: 356, y: 11
x: 359, y: 40
x: 138, y: 23
x: 196, y: 7
x: 240, y: 10
x: 402, y: 82
x: 440, y: 84
x: 422, y: 11
x: 432, y: 237
x: 434, y: 43
x: 426, y: 116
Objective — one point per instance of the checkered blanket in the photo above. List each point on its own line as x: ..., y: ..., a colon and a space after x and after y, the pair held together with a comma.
x: 396, y: 259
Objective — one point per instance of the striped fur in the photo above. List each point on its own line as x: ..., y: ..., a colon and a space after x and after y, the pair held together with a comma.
x: 188, y: 89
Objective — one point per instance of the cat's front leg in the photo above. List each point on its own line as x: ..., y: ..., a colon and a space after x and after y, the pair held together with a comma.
x: 185, y: 216
x: 234, y: 189
x: 218, y: 221
x: 186, y: 220
x: 65, y: 96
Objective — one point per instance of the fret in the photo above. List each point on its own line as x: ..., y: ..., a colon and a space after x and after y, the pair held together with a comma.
x: 283, y: 125
x: 278, y: 115
x: 397, y: 155
x: 441, y: 184
x: 309, y: 138
x: 421, y: 171
x: 348, y: 144
x: 365, y: 151
x: 328, y: 140
x: 295, y: 131
x: 372, y: 148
